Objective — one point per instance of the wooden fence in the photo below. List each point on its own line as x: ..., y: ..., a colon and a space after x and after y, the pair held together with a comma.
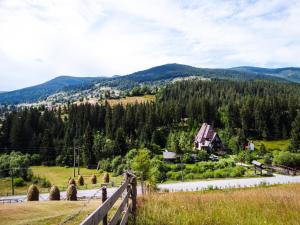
x: 127, y: 206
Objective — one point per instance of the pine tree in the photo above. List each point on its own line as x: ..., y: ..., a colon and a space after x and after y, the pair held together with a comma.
x: 295, y: 134
x: 120, y: 142
x: 88, y: 154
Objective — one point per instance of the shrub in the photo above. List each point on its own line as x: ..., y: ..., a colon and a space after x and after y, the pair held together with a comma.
x: 72, y: 181
x: 121, y: 168
x: 33, y: 193
x: 35, y: 160
x: 106, y: 178
x: 268, y: 158
x: 178, y: 167
x: 54, y: 194
x: 187, y: 158
x: 80, y: 181
x: 115, y: 163
x: 237, y: 171
x: 190, y: 176
x: 203, y: 156
x: 174, y: 175
x: 208, y: 174
x: 105, y: 165
x: 19, y: 182
x: 14, y: 160
x: 220, y: 173
x: 287, y: 159
x: 72, y: 193
x: 45, y: 183
x: 94, y: 179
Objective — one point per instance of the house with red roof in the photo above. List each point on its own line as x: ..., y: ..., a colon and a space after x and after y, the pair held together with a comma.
x: 207, y: 139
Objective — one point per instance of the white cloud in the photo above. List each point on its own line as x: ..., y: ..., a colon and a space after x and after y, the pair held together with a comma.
x: 42, y: 39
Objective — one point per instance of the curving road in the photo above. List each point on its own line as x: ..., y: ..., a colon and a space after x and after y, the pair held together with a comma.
x: 184, y: 186
x: 229, y: 183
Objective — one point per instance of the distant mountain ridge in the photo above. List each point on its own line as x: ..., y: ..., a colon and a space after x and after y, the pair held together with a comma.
x: 154, y: 75
x: 288, y: 73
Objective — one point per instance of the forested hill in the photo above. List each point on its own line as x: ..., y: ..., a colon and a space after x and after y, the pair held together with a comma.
x: 155, y: 75
x: 259, y: 110
x: 289, y: 73
x: 34, y: 93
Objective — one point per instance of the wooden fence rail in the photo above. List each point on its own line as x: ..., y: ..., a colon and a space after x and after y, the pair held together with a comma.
x: 127, y: 206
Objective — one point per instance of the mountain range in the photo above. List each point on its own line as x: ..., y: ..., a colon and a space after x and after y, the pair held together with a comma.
x: 155, y: 75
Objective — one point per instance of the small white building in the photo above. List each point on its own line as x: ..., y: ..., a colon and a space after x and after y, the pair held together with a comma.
x: 251, y: 146
x: 169, y: 156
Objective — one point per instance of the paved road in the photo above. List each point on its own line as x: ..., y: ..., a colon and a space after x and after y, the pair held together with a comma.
x: 187, y: 186
x: 229, y: 183
x: 80, y: 194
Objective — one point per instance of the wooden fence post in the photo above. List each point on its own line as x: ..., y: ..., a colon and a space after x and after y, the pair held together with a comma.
x: 133, y: 196
x: 104, y: 197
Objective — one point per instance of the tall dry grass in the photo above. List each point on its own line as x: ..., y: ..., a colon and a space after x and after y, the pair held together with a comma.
x: 278, y: 205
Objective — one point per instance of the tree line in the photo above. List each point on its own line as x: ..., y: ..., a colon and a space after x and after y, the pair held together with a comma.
x: 248, y: 109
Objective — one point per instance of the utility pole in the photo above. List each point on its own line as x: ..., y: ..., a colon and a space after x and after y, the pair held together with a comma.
x: 74, y: 160
x: 12, y: 182
x: 78, y: 158
x: 181, y: 168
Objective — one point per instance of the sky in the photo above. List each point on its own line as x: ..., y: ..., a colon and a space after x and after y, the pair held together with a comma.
x: 42, y: 39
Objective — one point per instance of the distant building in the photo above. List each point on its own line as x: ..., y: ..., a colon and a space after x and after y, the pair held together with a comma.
x: 251, y: 146
x: 169, y: 156
x: 207, y: 139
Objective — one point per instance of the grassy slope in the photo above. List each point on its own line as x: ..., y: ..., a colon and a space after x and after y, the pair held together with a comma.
x: 275, y: 205
x: 43, y: 213
x: 277, y: 144
x: 58, y: 176
x: 132, y: 100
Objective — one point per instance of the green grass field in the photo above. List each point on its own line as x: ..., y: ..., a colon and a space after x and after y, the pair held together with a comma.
x: 57, y: 176
x: 273, y: 145
x: 276, y: 205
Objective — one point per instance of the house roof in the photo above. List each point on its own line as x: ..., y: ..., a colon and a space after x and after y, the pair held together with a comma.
x: 206, y: 133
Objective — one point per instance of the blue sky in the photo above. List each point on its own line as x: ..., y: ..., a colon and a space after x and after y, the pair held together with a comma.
x: 40, y: 39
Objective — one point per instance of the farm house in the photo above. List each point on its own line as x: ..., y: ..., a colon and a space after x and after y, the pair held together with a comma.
x: 207, y: 139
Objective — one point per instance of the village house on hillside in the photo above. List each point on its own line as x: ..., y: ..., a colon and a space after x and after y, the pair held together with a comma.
x: 207, y: 139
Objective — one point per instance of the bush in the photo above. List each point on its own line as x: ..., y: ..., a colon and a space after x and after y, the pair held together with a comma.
x: 115, y: 163
x: 178, y: 167
x: 80, y: 180
x: 203, y: 156
x: 15, y: 160
x: 35, y: 160
x: 54, y: 194
x: 105, y: 165
x: 94, y: 179
x: 287, y: 159
x: 190, y: 176
x: 19, y: 182
x: 45, y: 183
x: 268, y: 158
x: 187, y: 158
x: 72, y: 193
x: 33, y: 193
x: 174, y: 175
x: 106, y: 178
x: 72, y: 181
x: 237, y: 171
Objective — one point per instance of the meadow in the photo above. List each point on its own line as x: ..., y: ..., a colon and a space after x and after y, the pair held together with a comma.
x: 131, y: 100
x: 58, y: 176
x: 281, y: 145
x: 275, y: 205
